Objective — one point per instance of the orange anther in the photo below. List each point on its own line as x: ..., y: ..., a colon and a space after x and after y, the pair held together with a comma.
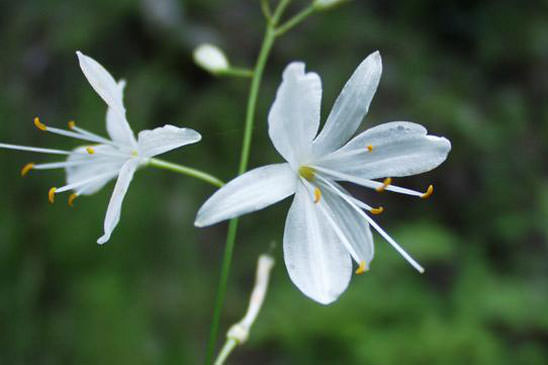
x: 385, y: 183
x: 51, y: 195
x: 370, y: 148
x: 25, y: 170
x: 39, y: 124
x: 362, y: 268
x: 428, y: 193
x: 71, y: 199
x: 376, y: 211
x: 317, y: 195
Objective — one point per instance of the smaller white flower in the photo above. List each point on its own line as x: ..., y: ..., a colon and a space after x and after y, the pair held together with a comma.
x: 326, y: 228
x: 89, y: 168
x: 211, y: 58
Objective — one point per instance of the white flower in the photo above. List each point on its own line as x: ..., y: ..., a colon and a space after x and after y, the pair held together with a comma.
x: 326, y: 227
x: 211, y: 58
x: 90, y: 167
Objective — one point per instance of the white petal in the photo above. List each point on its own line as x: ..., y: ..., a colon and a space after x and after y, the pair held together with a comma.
x: 254, y: 190
x: 117, y: 125
x: 102, y: 82
x: 398, y: 149
x: 354, y: 227
x: 316, y: 260
x: 92, y: 165
x: 166, y: 138
x: 294, y: 117
x: 351, y: 106
x: 115, y: 205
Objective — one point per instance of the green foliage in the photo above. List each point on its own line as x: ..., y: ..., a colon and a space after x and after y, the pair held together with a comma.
x: 474, y: 72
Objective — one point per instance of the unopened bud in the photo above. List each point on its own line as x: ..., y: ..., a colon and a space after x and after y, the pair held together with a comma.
x: 327, y: 4
x: 211, y: 58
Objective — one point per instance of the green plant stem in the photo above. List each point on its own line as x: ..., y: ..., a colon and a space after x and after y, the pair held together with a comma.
x: 237, y: 72
x: 185, y: 170
x: 229, y: 345
x: 299, y: 17
x: 268, y: 42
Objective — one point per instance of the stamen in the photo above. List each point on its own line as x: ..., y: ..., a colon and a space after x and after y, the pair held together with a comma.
x: 51, y: 195
x: 25, y: 170
x: 428, y: 193
x: 71, y: 124
x: 71, y: 199
x: 370, y: 148
x: 90, y: 150
x: 384, y: 185
x: 376, y: 211
x: 362, y: 268
x: 307, y: 172
x: 356, y: 205
x: 39, y: 124
x: 317, y: 195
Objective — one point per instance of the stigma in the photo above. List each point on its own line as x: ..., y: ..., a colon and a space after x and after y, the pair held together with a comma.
x: 362, y: 268
x: 308, y: 173
x: 384, y: 185
x: 25, y: 170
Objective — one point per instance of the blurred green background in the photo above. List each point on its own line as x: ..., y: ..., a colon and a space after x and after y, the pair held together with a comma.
x: 473, y: 71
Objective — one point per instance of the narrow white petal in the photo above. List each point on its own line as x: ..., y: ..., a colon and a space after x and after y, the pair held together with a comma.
x: 82, y: 166
x: 102, y: 82
x: 254, y: 190
x: 117, y: 125
x: 351, y: 106
x: 316, y: 260
x: 115, y: 205
x: 166, y: 138
x: 294, y: 117
x: 397, y: 149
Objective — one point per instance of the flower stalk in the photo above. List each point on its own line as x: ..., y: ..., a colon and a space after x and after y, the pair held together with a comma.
x: 239, y: 332
x: 185, y: 170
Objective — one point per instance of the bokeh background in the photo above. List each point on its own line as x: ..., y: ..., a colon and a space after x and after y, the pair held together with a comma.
x: 473, y: 71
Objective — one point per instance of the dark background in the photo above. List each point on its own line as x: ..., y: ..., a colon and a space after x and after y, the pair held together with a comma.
x: 475, y: 72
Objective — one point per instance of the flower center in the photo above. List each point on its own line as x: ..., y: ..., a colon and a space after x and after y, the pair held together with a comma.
x: 307, y: 173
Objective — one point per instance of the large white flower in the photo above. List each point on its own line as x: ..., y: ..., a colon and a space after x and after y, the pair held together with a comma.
x: 326, y: 227
x: 90, y: 167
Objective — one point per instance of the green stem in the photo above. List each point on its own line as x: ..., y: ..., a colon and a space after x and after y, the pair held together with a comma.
x: 225, y: 351
x: 185, y: 170
x: 237, y: 72
x: 268, y: 41
x: 299, y: 17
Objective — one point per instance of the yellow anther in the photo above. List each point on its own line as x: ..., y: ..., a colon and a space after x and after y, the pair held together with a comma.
x: 25, y: 170
x: 51, y: 195
x: 428, y: 193
x: 317, y: 195
x: 307, y: 172
x: 71, y: 124
x: 71, y: 199
x: 385, y: 183
x: 376, y: 211
x: 370, y: 148
x: 39, y: 124
x: 362, y: 268
x: 90, y: 150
